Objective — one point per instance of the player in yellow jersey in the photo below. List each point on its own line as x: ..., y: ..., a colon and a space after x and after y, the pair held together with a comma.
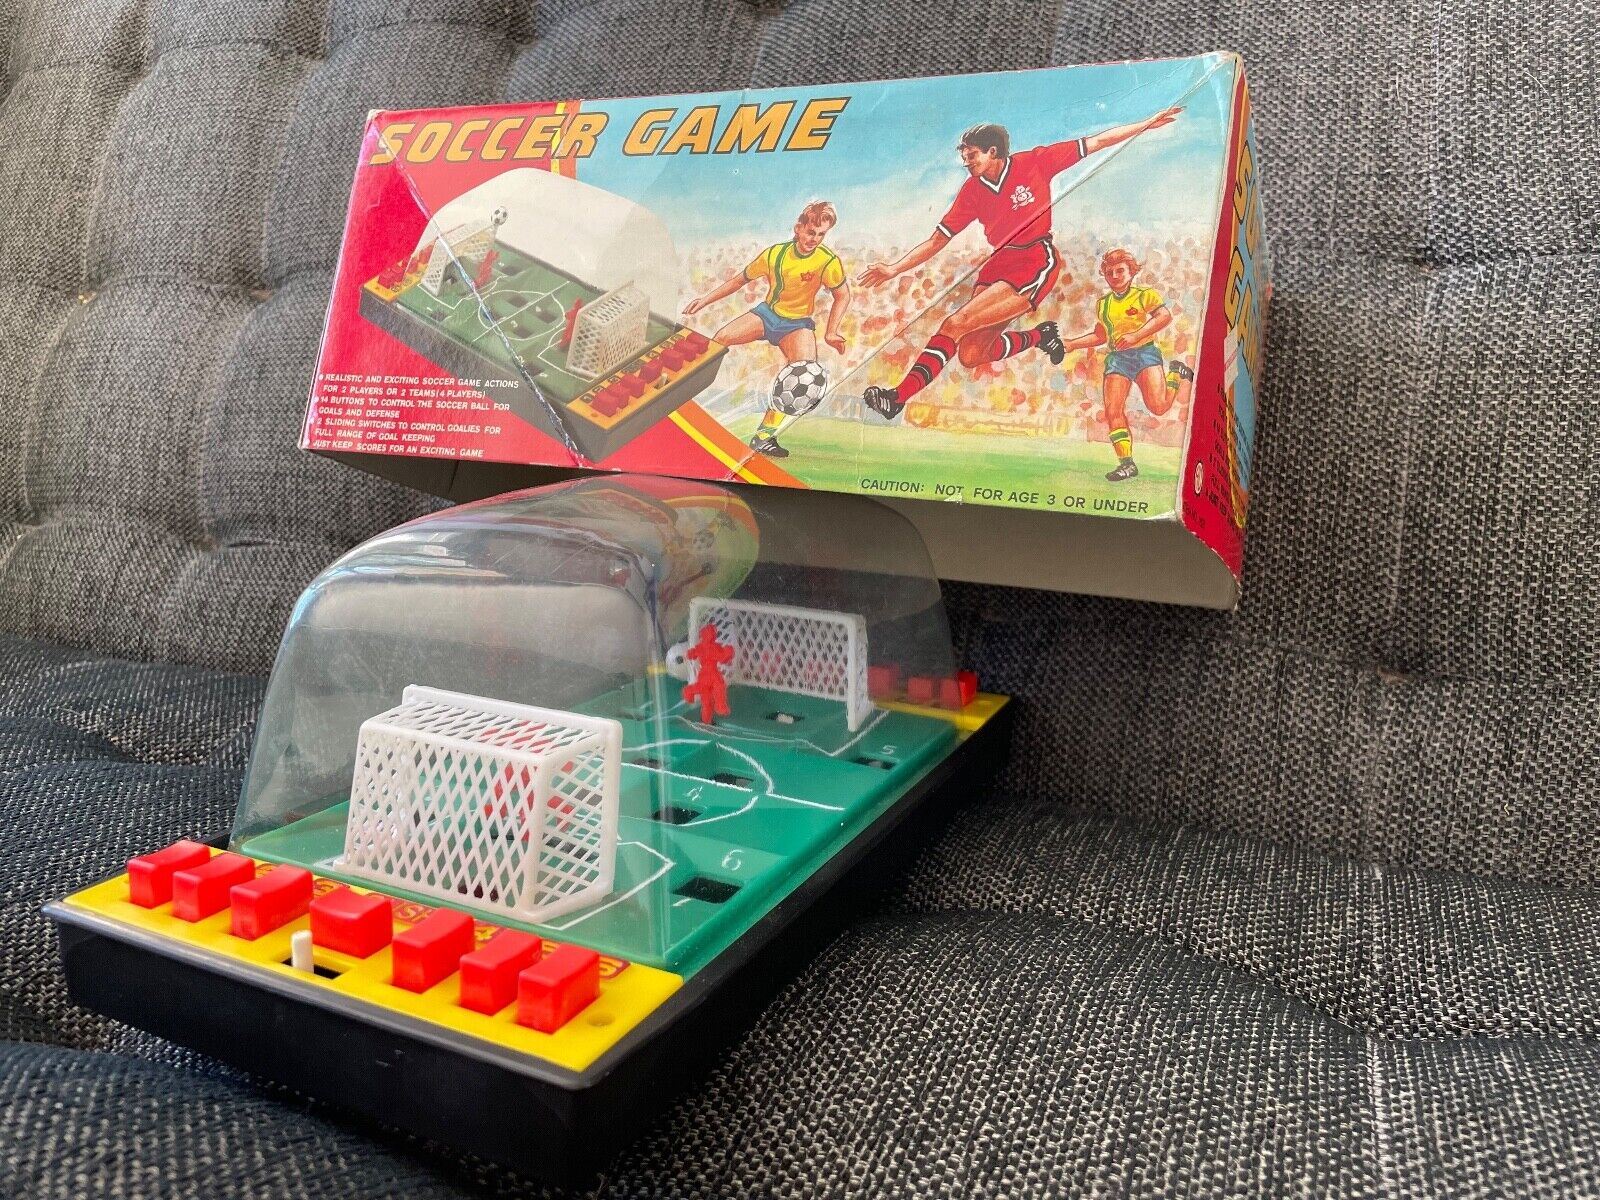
x: 793, y: 272
x: 1127, y: 320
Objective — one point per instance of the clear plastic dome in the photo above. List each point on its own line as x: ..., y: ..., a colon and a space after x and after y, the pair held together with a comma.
x: 629, y: 712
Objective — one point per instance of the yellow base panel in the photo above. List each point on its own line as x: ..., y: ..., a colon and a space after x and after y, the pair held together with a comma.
x: 629, y: 992
x: 973, y: 717
x: 662, y: 382
x: 390, y: 295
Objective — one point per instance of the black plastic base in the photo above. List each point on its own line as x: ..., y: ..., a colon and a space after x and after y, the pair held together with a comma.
x: 527, y: 1114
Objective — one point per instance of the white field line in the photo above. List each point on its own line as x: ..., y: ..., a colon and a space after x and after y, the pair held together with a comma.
x: 766, y: 779
x: 666, y: 865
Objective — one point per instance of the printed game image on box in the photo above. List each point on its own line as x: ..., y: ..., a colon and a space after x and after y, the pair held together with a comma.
x: 995, y: 289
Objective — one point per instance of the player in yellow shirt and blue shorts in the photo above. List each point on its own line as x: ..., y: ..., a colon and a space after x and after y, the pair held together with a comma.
x: 794, y: 272
x: 1127, y: 320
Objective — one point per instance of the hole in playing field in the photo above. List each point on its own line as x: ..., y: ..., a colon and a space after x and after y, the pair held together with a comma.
x: 732, y: 779
x: 655, y: 764
x: 601, y: 1019
x: 883, y: 764
x: 785, y: 718
x: 633, y: 714
x: 676, y: 814
x: 318, y: 968
x: 712, y: 891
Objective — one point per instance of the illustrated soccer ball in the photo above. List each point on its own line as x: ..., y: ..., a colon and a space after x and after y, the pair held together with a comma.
x: 799, y: 387
x: 499, y: 217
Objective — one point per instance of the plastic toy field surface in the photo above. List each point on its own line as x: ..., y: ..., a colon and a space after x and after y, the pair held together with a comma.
x: 549, y: 794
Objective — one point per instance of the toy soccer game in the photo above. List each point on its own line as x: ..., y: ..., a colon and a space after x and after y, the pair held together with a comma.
x: 579, y: 351
x: 549, y: 793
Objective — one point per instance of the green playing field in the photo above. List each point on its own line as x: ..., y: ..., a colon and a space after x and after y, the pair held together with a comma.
x: 718, y: 823
x: 828, y: 453
x: 516, y: 320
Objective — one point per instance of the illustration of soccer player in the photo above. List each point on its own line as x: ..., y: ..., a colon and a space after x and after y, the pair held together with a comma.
x: 1009, y: 196
x: 1128, y: 319
x: 794, y: 272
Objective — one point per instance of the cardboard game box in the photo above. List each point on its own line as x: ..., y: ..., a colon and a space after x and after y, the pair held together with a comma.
x: 1025, y: 308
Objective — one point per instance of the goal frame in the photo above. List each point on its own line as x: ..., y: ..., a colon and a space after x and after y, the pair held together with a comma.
x: 391, y: 812
x: 458, y: 247
x: 586, y: 355
x: 748, y: 666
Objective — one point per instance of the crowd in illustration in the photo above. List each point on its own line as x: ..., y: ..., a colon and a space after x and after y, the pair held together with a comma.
x: 884, y: 328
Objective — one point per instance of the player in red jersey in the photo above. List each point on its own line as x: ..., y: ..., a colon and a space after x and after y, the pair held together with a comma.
x: 710, y: 686
x: 1009, y: 196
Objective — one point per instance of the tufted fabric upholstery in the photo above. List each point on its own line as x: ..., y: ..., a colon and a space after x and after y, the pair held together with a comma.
x: 1298, y: 899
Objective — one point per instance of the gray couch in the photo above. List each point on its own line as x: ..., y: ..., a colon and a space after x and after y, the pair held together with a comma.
x: 1299, y: 900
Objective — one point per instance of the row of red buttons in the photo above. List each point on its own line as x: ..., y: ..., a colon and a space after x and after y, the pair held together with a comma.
x: 625, y: 389
x: 883, y: 683
x: 549, y: 988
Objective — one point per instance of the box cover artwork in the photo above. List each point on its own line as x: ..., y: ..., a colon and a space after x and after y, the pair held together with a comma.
x: 1037, y: 290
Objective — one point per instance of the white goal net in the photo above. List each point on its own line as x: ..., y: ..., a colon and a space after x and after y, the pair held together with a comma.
x: 807, y: 651
x: 609, y: 331
x: 500, y: 807
x: 466, y: 245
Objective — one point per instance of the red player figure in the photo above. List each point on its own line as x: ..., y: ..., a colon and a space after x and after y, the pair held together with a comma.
x: 485, y: 270
x: 709, y: 686
x: 572, y: 321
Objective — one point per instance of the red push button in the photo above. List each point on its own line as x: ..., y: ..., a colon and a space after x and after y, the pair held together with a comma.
x: 489, y: 974
x: 950, y: 693
x: 969, y: 686
x: 552, y: 992
x: 150, y: 875
x: 430, y: 950
x: 270, y: 901
x: 198, y: 892
x: 883, y: 681
x: 919, y: 689
x: 355, y: 923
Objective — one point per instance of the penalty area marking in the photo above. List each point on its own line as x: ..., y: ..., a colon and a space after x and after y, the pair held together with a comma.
x: 762, y: 771
x: 738, y: 812
x: 666, y: 865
